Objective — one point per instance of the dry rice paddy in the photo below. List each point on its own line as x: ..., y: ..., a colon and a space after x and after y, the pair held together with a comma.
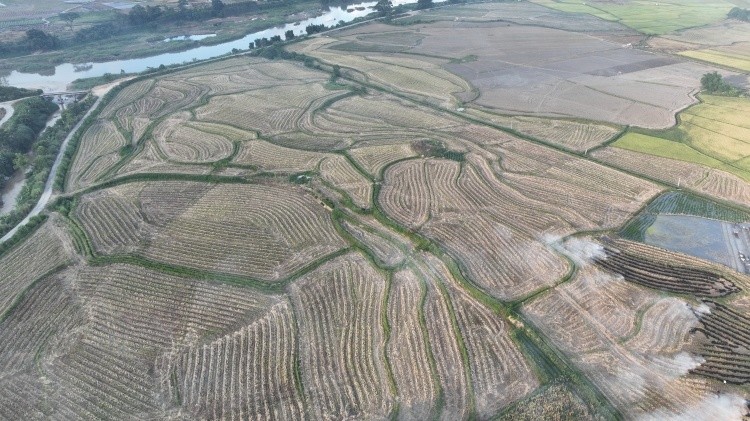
x: 244, y: 239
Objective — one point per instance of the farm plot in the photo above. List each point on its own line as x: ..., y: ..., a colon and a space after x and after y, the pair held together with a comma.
x: 267, y: 110
x: 375, y: 158
x: 419, y: 78
x: 574, y: 135
x: 640, y: 364
x: 726, y: 348
x: 665, y: 276
x: 98, y: 151
x: 703, y: 277
x: 713, y: 134
x: 97, y: 330
x: 699, y: 178
x: 270, y: 157
x: 246, y: 374
x: 650, y: 18
x: 260, y: 231
x: 481, y: 217
x: 339, y: 309
x: 408, y: 350
x: 498, y: 371
x: 182, y: 143
x: 536, y: 70
x: 43, y: 252
x: 338, y: 171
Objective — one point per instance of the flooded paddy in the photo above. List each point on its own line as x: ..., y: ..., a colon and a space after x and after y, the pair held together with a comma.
x: 718, y: 241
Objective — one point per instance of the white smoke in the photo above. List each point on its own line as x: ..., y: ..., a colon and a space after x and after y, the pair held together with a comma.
x: 582, y: 251
x: 702, y: 309
x: 683, y: 362
x: 725, y: 407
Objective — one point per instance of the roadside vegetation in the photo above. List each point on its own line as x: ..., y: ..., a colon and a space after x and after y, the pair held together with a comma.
x: 42, y: 153
x: 18, y: 134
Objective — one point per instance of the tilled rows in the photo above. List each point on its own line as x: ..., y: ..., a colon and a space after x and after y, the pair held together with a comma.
x: 655, y: 274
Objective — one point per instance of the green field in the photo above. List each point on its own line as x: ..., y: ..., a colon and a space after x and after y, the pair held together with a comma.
x: 729, y: 59
x: 649, y: 17
x: 714, y: 133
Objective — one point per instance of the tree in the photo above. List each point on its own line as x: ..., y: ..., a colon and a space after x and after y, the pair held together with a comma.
x: 20, y: 161
x: 739, y: 14
x: 384, y: 7
x: 69, y: 17
x: 216, y: 6
x: 40, y: 40
x: 289, y: 35
x: 424, y: 4
x: 182, y: 5
x: 714, y: 83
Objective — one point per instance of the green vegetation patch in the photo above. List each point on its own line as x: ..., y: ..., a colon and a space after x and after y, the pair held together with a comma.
x: 436, y: 149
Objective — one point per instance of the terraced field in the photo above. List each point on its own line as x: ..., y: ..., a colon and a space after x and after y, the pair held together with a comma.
x: 435, y: 233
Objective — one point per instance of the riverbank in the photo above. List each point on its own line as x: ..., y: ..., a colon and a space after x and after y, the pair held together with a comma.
x: 141, y: 43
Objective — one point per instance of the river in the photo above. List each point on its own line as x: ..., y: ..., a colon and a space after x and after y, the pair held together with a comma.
x: 65, y: 73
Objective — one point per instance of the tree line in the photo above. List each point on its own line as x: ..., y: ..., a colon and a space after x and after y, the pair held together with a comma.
x: 19, y: 133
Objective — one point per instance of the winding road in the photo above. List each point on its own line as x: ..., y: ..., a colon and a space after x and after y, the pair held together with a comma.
x: 8, y: 107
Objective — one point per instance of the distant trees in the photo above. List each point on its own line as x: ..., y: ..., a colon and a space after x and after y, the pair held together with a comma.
x: 713, y: 83
x: 384, y: 7
x: 69, y: 17
x: 289, y: 35
x: 20, y: 132
x: 314, y: 29
x: 140, y: 15
x: 9, y: 93
x: 216, y: 7
x: 424, y: 4
x: 739, y: 14
x: 40, y: 40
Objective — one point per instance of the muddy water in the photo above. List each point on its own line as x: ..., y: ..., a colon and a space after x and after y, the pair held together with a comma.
x: 708, y: 239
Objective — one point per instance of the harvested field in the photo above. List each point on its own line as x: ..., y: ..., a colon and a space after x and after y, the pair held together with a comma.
x: 270, y: 157
x: 43, y: 252
x: 96, y: 332
x: 408, y: 350
x: 452, y: 203
x: 257, y: 239
x: 269, y: 111
x: 338, y: 171
x: 182, y: 143
x: 726, y: 349
x: 340, y: 334
x: 215, y: 380
x: 665, y: 276
x: 573, y: 135
x: 498, y: 371
x: 696, y: 177
x: 645, y: 374
x: 649, y: 17
x: 375, y: 158
x: 98, y: 151
x: 289, y: 230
